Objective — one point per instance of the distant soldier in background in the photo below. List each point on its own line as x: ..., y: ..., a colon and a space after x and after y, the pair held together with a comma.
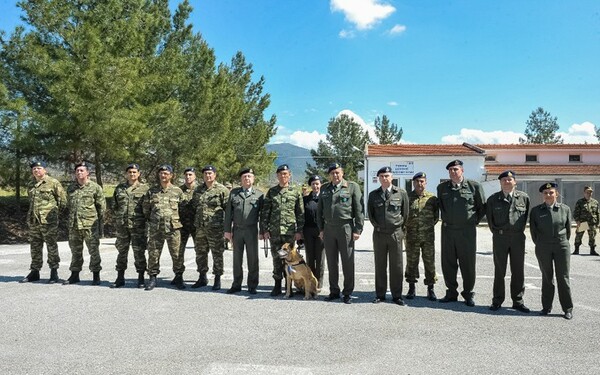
x: 423, y: 214
x: 46, y: 199
x: 130, y: 224
x: 187, y: 214
x: 586, y: 211
x: 86, y: 210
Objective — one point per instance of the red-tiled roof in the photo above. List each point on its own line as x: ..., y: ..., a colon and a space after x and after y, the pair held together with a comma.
x: 562, y: 146
x: 413, y: 149
x: 543, y: 169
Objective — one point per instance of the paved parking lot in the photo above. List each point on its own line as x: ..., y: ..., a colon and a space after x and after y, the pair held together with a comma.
x: 84, y: 329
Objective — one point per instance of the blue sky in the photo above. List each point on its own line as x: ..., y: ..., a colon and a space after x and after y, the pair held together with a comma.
x: 446, y: 71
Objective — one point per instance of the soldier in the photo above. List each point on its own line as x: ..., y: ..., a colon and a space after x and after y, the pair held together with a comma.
x: 340, y: 217
x: 187, y: 214
x: 586, y: 211
x: 242, y: 217
x: 507, y: 212
x: 86, y: 209
x: 423, y: 214
x: 387, y: 208
x: 282, y: 220
x: 46, y: 199
x: 209, y: 202
x: 550, y: 227
x: 462, y: 204
x: 130, y: 224
x: 315, y: 256
x: 161, y: 209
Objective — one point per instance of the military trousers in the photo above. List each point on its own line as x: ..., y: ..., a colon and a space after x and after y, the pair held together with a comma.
x: 185, y: 233
x: 277, y: 241
x: 91, y: 238
x: 156, y: 243
x: 245, y: 237
x: 388, y: 245
x: 459, y: 246
x: 315, y: 254
x: 591, y: 237
x: 339, y: 243
x: 505, y: 245
x: 557, y: 256
x: 417, y: 247
x: 209, y: 239
x: 137, y: 238
x: 38, y: 234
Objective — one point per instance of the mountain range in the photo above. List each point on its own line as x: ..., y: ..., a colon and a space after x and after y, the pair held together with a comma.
x: 295, y: 157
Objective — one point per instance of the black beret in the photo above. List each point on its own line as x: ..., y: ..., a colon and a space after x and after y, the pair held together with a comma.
x: 586, y: 188
x: 507, y: 174
x: 548, y: 185
x: 132, y: 166
x: 245, y: 170
x: 313, y: 178
x: 209, y: 168
x: 384, y: 170
x: 82, y: 164
x: 333, y: 167
x: 166, y: 167
x: 453, y: 163
x: 419, y: 175
x: 37, y: 164
x: 189, y: 169
x: 283, y: 167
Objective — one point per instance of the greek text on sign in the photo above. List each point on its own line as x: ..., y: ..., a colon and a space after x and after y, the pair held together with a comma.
x: 404, y: 168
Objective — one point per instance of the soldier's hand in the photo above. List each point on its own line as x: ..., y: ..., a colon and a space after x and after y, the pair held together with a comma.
x: 321, y: 235
x: 227, y: 236
x: 298, y: 237
x: 355, y: 236
x: 267, y: 235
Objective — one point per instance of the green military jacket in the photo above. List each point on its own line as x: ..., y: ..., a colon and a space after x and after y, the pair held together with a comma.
x: 187, y: 212
x: 243, y: 210
x: 341, y: 206
x: 587, y: 211
x: 209, y: 205
x: 161, y: 208
x: 462, y: 206
x: 128, y: 204
x: 46, y: 198
x: 423, y: 213
x: 507, y: 216
x: 283, y: 211
x: 86, y: 204
x: 387, y: 215
x: 550, y: 226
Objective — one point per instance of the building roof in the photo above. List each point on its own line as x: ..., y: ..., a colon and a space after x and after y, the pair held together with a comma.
x: 543, y: 169
x: 420, y: 149
x: 554, y: 147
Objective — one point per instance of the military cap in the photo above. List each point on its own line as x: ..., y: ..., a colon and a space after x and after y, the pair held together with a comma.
x: 313, y: 178
x: 166, y: 167
x: 82, y: 164
x: 453, y: 163
x: 132, y: 166
x: 586, y: 188
x: 507, y: 174
x: 283, y: 167
x: 333, y: 166
x: 548, y: 185
x: 37, y: 164
x: 209, y: 168
x: 419, y: 175
x: 384, y: 170
x: 245, y: 170
x: 189, y: 169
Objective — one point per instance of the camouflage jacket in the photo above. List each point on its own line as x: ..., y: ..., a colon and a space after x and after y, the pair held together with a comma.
x: 46, y: 198
x: 161, y: 208
x: 423, y: 214
x: 128, y: 204
x: 209, y: 205
x: 86, y: 204
x: 587, y: 211
x: 283, y: 211
x: 186, y: 209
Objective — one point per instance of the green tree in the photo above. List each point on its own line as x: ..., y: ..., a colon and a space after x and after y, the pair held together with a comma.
x: 541, y: 128
x: 344, y: 144
x: 597, y: 132
x: 387, y: 133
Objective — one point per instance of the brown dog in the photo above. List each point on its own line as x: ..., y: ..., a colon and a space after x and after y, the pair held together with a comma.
x: 297, y: 270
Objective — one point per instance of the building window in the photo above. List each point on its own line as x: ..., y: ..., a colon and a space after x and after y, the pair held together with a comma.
x: 532, y: 158
x: 490, y: 158
x: 574, y: 158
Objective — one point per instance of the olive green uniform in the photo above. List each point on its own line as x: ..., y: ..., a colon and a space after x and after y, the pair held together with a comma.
x: 242, y: 217
x: 130, y: 224
x: 46, y: 199
x: 187, y: 215
x: 86, y: 210
x: 340, y: 214
x: 388, y: 211
x: 507, y: 217
x: 587, y: 211
x: 550, y: 231
x: 462, y: 207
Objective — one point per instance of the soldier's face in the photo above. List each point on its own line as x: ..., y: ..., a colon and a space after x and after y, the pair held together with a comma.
x: 38, y: 172
x: 81, y: 174
x: 209, y: 176
x: 246, y: 180
x: 316, y: 186
x: 385, y: 179
x: 164, y: 177
x: 550, y: 196
x: 132, y: 175
x: 419, y: 184
x: 587, y: 194
x: 508, y: 184
x: 284, y: 178
x: 189, y: 177
x: 455, y: 172
x: 336, y: 175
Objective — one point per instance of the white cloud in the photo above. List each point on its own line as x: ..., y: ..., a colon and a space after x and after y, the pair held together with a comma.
x: 364, y: 14
x: 368, y: 127
x: 298, y: 138
x: 580, y: 133
x: 475, y: 136
x: 346, y: 34
x: 392, y: 103
x: 397, y: 30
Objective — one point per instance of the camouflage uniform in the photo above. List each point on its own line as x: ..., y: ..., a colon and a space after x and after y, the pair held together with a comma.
x: 420, y: 236
x: 209, y: 205
x: 130, y: 224
x: 86, y: 210
x: 161, y: 209
x: 46, y: 198
x: 186, y: 215
x: 283, y: 217
x: 587, y: 211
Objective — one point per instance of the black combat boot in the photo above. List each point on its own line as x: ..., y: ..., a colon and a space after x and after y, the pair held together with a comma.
x: 576, y: 252
x: 151, y: 283
x: 411, y: 291
x: 178, y: 281
x: 73, y: 279
x: 276, y: 288
x: 430, y: 293
x: 593, y: 251
x: 53, y: 276
x: 34, y: 275
x: 202, y: 281
x: 96, y: 278
x: 217, y: 283
x: 120, y: 281
x: 141, y: 283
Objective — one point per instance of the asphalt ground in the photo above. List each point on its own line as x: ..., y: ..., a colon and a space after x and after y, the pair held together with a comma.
x: 85, y: 329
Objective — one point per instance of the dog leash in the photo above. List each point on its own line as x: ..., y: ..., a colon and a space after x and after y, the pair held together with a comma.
x: 266, y: 247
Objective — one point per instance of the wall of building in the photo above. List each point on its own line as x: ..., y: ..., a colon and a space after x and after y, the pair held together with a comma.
x: 545, y: 157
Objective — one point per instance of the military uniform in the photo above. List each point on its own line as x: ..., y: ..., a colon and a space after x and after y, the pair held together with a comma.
x: 388, y: 211
x: 313, y: 244
x: 46, y: 199
x: 86, y: 210
x: 242, y: 217
x: 586, y: 211
x: 423, y: 214
x: 187, y: 216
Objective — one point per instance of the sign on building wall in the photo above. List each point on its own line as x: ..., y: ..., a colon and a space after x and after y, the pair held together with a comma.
x: 403, y: 168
